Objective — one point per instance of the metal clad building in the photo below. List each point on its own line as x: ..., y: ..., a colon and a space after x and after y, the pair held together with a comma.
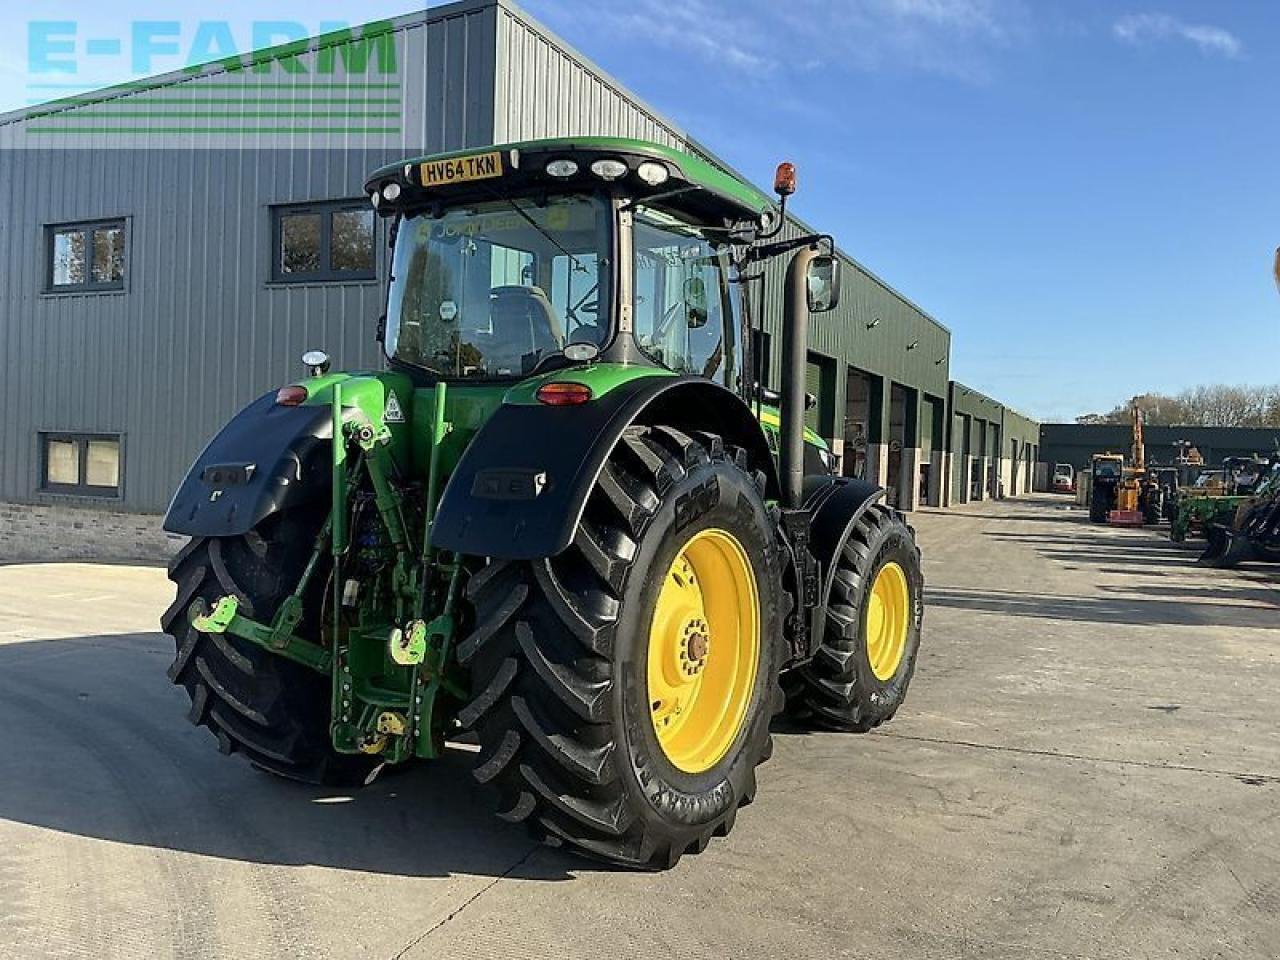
x: 994, y: 449
x: 193, y: 316
x: 198, y: 327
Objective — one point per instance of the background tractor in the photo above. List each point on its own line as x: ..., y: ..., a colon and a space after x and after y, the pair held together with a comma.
x: 1107, y: 473
x: 556, y: 520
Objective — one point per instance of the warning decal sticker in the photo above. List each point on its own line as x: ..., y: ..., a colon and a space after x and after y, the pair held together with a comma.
x: 393, y: 413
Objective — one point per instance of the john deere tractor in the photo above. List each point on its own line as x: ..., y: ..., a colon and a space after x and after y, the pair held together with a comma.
x: 566, y: 520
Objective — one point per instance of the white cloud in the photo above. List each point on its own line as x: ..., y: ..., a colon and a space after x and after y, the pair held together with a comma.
x: 975, y: 16
x: 755, y: 39
x: 1142, y: 28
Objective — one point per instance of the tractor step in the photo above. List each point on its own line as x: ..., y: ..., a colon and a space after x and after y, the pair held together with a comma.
x: 1125, y: 518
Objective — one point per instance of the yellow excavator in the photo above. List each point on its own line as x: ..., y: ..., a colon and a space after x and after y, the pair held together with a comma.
x: 1128, y: 511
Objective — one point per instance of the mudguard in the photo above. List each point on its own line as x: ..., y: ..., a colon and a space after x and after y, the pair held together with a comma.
x: 835, y: 504
x: 520, y: 488
x: 267, y: 458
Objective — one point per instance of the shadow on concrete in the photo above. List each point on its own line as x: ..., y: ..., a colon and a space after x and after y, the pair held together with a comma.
x: 97, y: 744
x: 1230, y: 592
x: 1091, y: 539
x: 1171, y: 611
x: 1153, y: 562
x: 1100, y: 548
x: 1064, y: 517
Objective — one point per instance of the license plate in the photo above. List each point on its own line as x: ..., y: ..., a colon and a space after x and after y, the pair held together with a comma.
x: 483, y: 166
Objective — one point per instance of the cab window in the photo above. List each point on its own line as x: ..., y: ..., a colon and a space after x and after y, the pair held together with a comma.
x: 685, y: 308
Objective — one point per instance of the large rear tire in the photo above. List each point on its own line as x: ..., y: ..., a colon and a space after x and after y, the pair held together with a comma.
x: 621, y: 711
x: 272, y: 711
x: 860, y: 675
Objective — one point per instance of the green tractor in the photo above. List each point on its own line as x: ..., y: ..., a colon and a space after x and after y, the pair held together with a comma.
x: 566, y: 520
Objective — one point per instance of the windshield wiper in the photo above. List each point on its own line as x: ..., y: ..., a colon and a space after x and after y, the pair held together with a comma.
x: 675, y: 192
x: 577, y: 264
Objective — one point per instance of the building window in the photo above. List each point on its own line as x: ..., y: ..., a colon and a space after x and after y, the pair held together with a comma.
x: 85, y: 257
x: 83, y: 464
x: 319, y: 242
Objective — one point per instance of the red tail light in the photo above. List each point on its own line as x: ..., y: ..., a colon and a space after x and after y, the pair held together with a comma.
x: 291, y: 396
x: 563, y: 394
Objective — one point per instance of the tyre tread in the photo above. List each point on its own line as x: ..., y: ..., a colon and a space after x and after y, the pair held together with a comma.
x: 274, y: 712
x: 552, y: 759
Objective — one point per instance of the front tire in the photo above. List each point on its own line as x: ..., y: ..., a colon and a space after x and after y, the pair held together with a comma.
x: 1097, y: 510
x: 569, y: 711
x: 859, y: 677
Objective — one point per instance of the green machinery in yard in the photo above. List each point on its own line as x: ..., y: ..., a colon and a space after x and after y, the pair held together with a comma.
x: 566, y: 520
x: 1216, y: 496
x: 1252, y: 531
x: 1199, y: 511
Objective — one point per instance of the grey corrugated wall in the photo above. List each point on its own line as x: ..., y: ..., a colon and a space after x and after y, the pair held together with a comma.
x: 200, y: 330
x: 545, y: 89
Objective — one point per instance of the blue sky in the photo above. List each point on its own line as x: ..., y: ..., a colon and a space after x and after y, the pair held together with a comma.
x: 1086, y: 193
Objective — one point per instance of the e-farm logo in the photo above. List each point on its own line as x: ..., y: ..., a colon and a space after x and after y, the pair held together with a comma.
x: 264, y: 79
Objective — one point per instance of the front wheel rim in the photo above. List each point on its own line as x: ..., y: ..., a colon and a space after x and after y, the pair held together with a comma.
x: 704, y: 651
x: 888, y: 620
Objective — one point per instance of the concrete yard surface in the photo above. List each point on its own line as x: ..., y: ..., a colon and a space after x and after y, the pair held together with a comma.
x: 1087, y: 766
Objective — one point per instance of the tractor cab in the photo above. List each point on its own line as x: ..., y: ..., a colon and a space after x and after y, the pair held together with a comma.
x: 1242, y: 474
x: 1108, y: 466
x: 530, y: 258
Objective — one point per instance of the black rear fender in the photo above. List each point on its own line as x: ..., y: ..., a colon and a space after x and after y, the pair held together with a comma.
x: 520, y: 488
x: 836, y: 504
x: 266, y: 459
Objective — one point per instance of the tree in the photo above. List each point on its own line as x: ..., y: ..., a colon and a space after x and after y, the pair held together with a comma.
x: 1212, y: 405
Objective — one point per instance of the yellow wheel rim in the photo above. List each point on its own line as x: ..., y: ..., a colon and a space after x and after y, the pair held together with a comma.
x: 704, y: 649
x: 888, y: 620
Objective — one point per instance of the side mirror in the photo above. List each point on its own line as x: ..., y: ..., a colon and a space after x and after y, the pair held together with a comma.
x: 823, y: 283
x: 695, y: 302
x: 380, y: 331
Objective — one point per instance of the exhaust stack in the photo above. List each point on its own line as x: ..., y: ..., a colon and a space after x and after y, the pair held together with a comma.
x: 795, y: 348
